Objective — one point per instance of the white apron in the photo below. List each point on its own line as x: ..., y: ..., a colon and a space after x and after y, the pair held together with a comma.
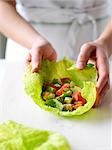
x: 67, y: 24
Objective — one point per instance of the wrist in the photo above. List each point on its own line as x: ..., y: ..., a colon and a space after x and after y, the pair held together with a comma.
x: 39, y: 41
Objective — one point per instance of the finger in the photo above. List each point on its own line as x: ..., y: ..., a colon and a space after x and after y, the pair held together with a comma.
x: 28, y: 59
x: 49, y: 53
x: 101, y: 95
x: 84, y: 55
x: 53, y: 56
x: 103, y: 70
x: 36, y: 60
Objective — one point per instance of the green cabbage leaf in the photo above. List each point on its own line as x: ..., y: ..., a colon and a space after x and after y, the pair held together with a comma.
x: 14, y: 136
x: 86, y: 79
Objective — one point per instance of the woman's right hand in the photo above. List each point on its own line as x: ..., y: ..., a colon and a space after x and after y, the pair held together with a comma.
x: 18, y: 29
x: 40, y: 50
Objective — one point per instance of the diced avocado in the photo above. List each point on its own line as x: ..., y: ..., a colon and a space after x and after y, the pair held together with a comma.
x: 76, y: 89
x: 48, y: 95
x: 55, y: 81
x: 68, y: 93
x: 51, y: 95
x: 68, y: 100
x: 57, y: 85
x: 54, y: 103
x: 45, y: 95
x: 65, y: 94
x: 66, y: 89
x: 60, y: 99
x: 67, y: 107
x: 50, y: 89
x: 72, y: 84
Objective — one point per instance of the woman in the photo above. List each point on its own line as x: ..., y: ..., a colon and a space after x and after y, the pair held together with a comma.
x: 62, y: 23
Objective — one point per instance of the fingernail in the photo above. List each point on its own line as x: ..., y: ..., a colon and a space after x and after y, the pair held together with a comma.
x: 34, y: 68
x: 80, y: 65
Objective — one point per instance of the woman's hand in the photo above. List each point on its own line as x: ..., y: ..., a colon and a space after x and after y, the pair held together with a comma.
x: 96, y: 51
x: 41, y: 49
x: 18, y: 29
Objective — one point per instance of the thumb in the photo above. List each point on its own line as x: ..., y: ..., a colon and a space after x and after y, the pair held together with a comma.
x: 84, y: 55
x: 36, y: 60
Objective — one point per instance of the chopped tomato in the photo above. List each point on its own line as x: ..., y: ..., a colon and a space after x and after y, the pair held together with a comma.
x: 80, y: 98
x: 66, y: 85
x: 59, y: 92
x: 76, y: 106
x: 52, y: 85
x: 77, y: 97
x: 65, y: 80
x: 77, y: 102
x: 65, y: 92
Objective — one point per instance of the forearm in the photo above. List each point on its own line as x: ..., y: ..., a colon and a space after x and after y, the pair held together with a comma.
x: 106, y: 37
x: 15, y: 27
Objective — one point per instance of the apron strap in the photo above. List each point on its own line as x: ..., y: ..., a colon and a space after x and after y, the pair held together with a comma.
x: 75, y: 27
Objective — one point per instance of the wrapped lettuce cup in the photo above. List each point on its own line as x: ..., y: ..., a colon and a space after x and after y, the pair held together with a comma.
x: 84, y: 79
x: 14, y: 136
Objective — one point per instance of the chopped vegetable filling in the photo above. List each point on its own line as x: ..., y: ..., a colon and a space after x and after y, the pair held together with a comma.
x: 63, y: 94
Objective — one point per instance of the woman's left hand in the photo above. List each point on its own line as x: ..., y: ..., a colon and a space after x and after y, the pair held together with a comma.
x: 97, y: 52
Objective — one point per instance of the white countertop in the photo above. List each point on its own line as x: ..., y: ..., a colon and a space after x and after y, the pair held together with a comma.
x: 91, y: 131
